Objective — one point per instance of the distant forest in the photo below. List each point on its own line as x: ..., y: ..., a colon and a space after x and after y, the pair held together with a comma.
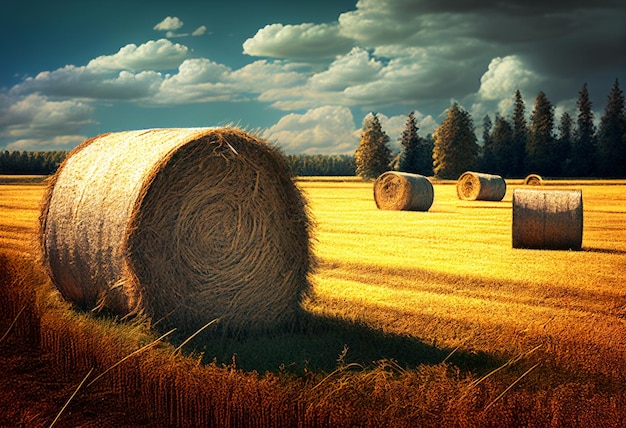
x: 46, y: 163
x: 30, y: 163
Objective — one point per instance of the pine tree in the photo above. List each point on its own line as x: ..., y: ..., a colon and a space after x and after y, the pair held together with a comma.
x: 565, y: 142
x: 455, y: 148
x: 416, y: 155
x: 582, y: 159
x: 612, y: 135
x: 520, y: 136
x: 541, y: 154
x: 373, y: 155
x: 487, y: 161
x: 502, y: 140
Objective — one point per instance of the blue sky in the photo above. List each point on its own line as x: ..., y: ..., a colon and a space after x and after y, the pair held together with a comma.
x: 303, y: 75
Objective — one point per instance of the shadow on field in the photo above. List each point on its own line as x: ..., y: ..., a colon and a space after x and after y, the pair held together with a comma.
x: 323, y: 344
x: 603, y: 250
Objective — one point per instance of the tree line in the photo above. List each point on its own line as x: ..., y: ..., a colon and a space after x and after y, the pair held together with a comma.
x: 30, y: 163
x: 572, y: 146
x: 511, y: 147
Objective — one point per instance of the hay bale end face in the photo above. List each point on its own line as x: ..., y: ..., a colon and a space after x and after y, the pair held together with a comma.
x: 184, y: 225
x: 403, y: 191
x: 533, y: 180
x: 476, y: 186
x: 547, y: 219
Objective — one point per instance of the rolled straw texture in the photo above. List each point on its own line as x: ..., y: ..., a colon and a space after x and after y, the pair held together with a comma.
x: 533, y: 180
x: 547, y: 219
x: 183, y: 225
x: 477, y: 186
x: 403, y: 191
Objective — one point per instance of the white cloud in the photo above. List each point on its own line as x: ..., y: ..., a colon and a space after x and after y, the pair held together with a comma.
x: 305, y: 41
x: 427, y: 125
x: 197, y: 80
x: 498, y: 84
x: 159, y: 54
x: 199, y: 31
x: 170, y: 23
x: 83, y: 83
x: 56, y: 142
x: 354, y: 68
x: 504, y: 76
x: 36, y: 123
x: 327, y: 130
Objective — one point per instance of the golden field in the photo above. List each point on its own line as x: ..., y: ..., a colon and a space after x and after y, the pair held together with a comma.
x: 521, y: 335
x: 451, y: 277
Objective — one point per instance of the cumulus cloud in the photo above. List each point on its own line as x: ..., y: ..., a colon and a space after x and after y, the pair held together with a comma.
x: 197, y: 80
x: 171, y: 23
x: 303, y: 41
x: 385, y: 55
x: 504, y: 76
x: 354, y: 68
x: 498, y: 84
x: 159, y: 54
x: 327, y: 130
x: 199, y: 31
x: 83, y: 83
x: 35, y: 122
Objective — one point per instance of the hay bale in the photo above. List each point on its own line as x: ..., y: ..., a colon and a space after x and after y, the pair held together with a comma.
x: 403, y: 191
x: 547, y: 219
x: 477, y: 186
x: 185, y: 225
x: 533, y: 180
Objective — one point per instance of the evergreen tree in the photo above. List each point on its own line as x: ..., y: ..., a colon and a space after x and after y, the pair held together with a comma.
x: 520, y: 136
x: 455, y: 148
x: 487, y: 161
x: 372, y: 156
x: 612, y: 135
x: 582, y: 162
x: 565, y: 143
x: 502, y: 140
x: 416, y: 155
x: 541, y: 150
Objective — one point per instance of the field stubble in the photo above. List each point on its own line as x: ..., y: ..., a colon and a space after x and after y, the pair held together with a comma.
x: 451, y: 277
x: 549, y: 325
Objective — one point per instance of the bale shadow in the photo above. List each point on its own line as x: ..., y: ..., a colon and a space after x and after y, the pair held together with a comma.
x: 602, y: 250
x: 321, y: 344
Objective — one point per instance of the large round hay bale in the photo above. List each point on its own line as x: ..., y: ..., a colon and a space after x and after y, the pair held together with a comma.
x: 547, y: 219
x: 533, y: 180
x: 183, y: 225
x: 403, y: 191
x: 477, y: 186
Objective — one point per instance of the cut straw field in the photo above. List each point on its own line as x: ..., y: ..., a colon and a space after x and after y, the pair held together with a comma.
x: 417, y: 318
x: 451, y: 277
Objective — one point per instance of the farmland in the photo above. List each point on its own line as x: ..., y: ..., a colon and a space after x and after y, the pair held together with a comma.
x: 429, y: 317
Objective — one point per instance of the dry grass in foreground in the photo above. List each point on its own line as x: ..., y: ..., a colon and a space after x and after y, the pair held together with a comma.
x: 505, y: 337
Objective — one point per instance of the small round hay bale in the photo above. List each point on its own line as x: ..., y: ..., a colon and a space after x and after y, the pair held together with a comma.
x: 533, y: 180
x: 403, y: 191
x: 547, y: 219
x: 477, y: 186
x: 184, y: 225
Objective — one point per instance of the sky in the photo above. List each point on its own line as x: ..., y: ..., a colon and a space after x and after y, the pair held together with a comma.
x: 302, y: 75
